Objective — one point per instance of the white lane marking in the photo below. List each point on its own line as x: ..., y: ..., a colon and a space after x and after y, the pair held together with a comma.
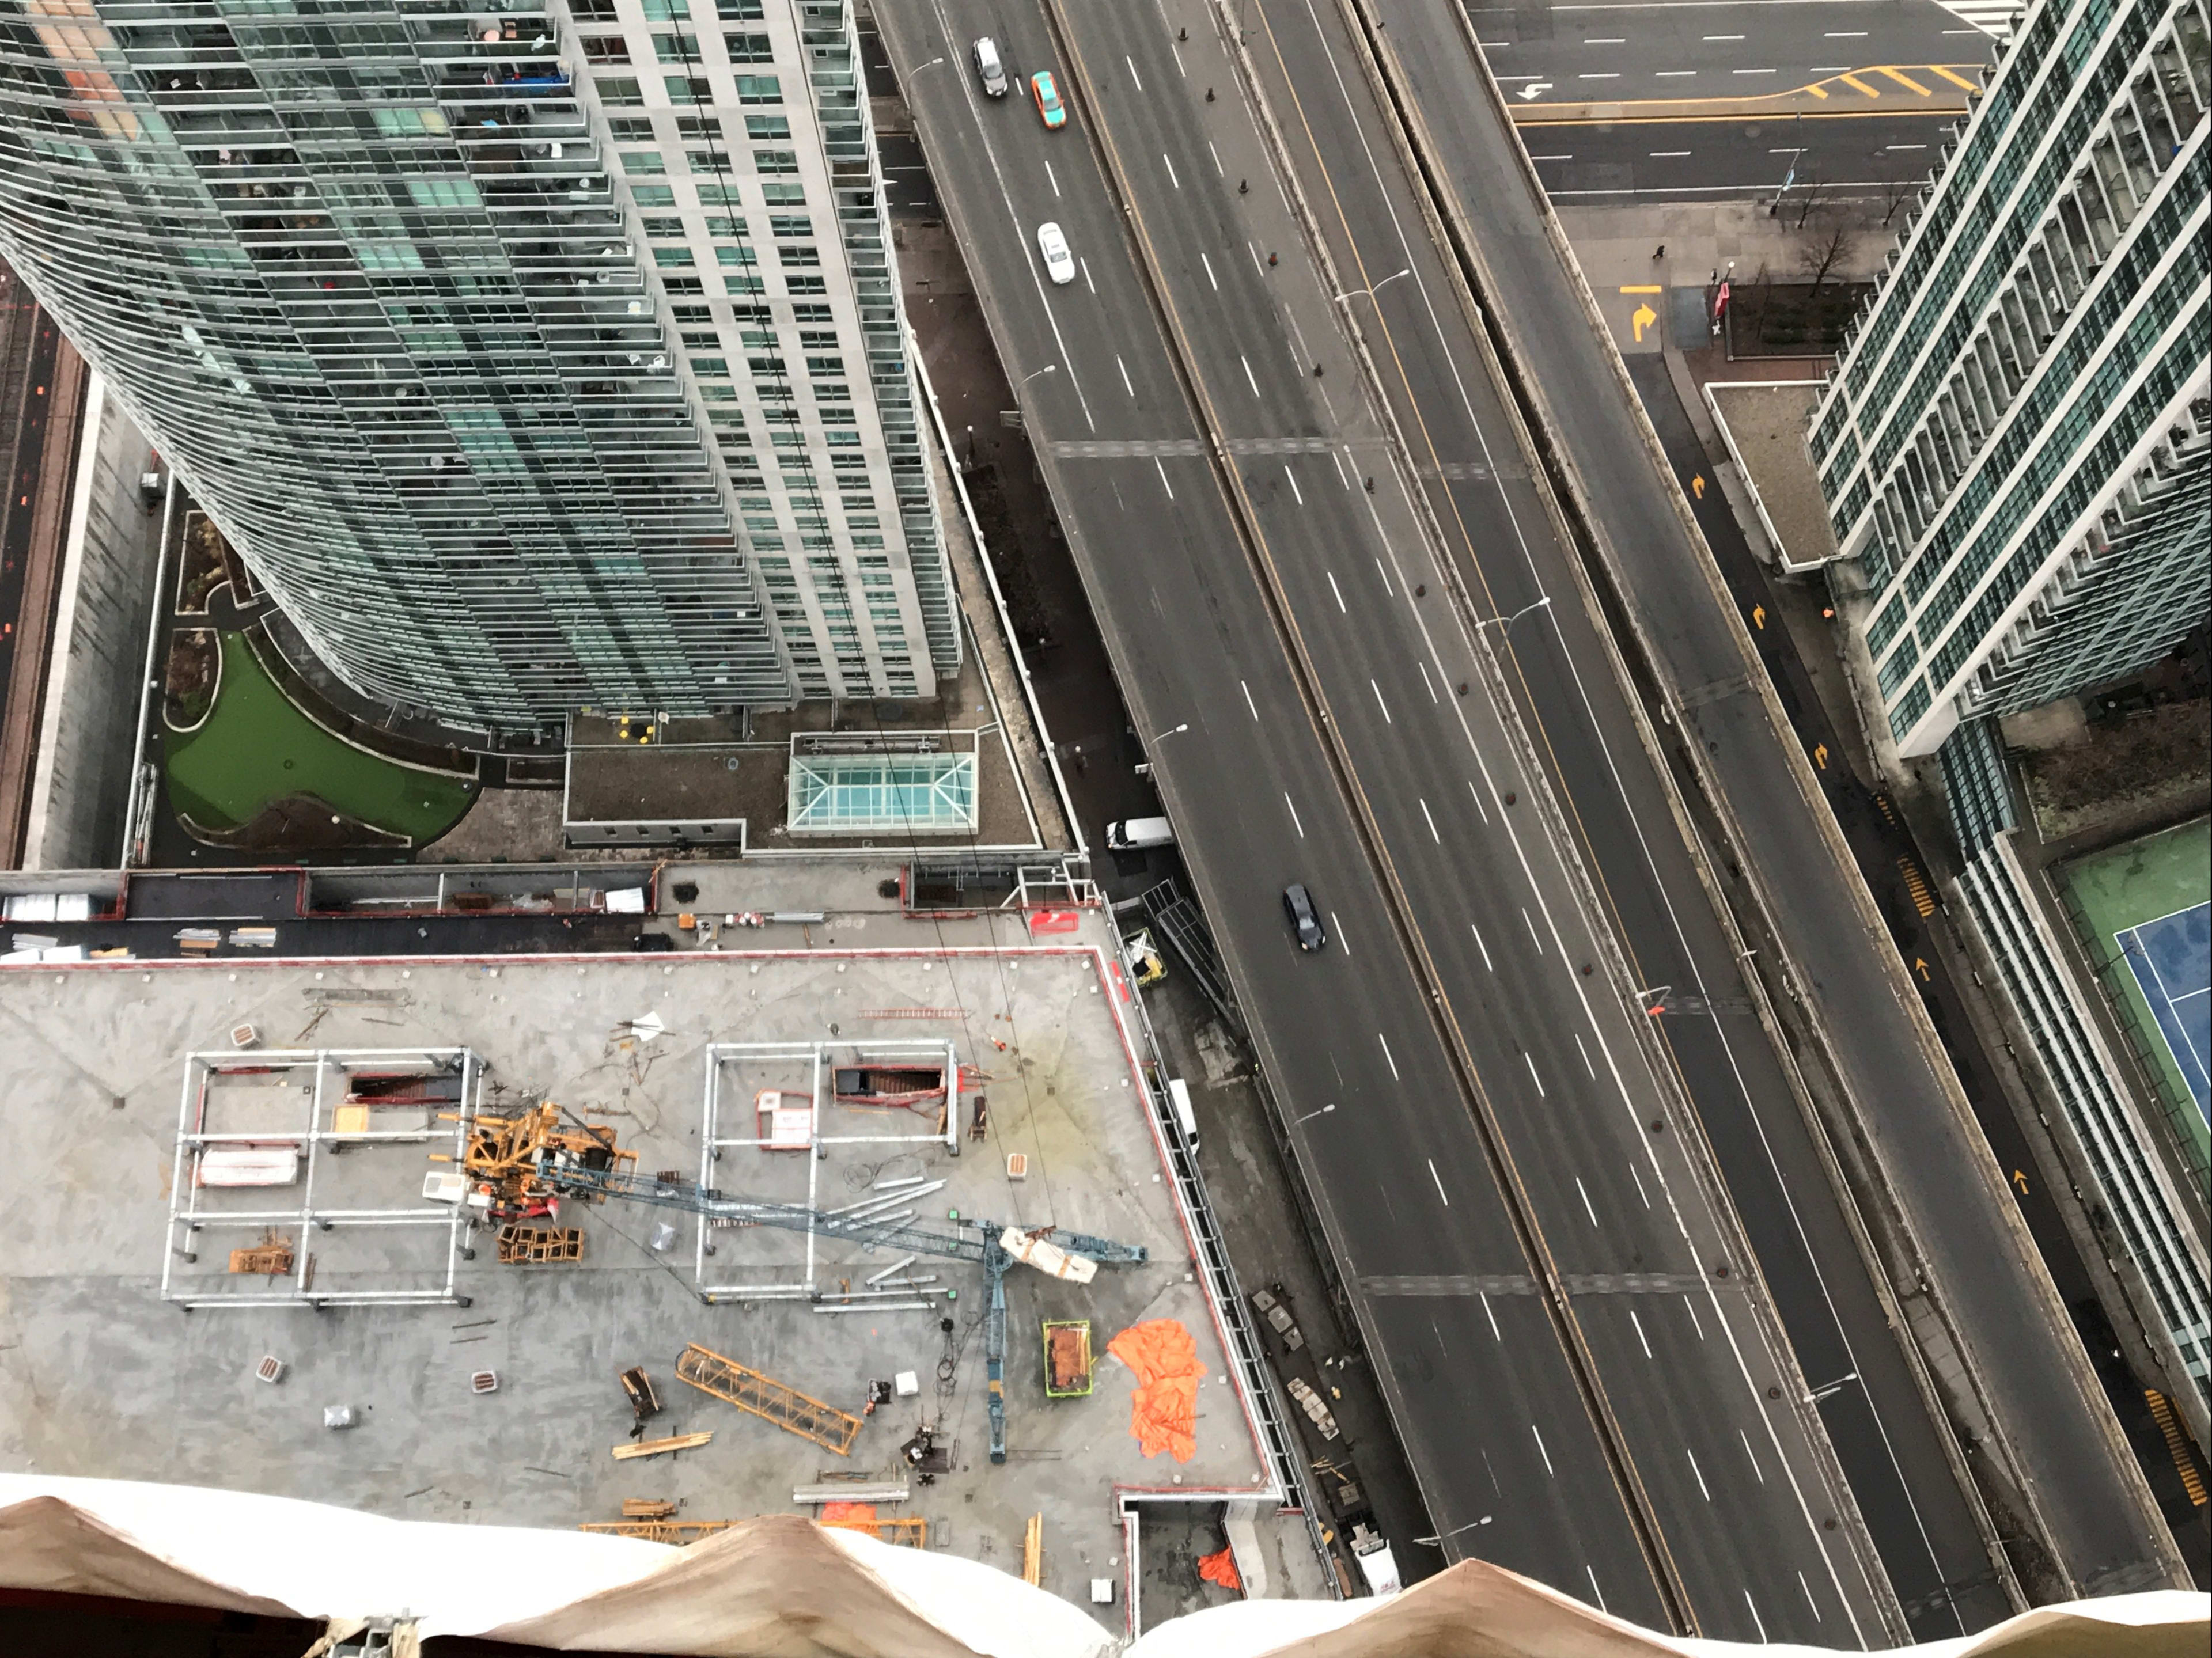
x: 1295, y: 490
x: 1087, y: 282
x: 1606, y: 75
x: 1640, y: 1192
x: 1210, y: 276
x: 1530, y: 1062
x: 1532, y: 929
x: 1126, y: 385
x: 1380, y: 703
x: 1439, y: 1179
x: 1595, y: 1589
x: 1295, y: 824
x: 1662, y: 154
x: 1164, y: 484
x: 1758, y: 1622
x: 1809, y: 1601
x: 1181, y: 69
x: 1724, y: 37
x: 1218, y: 172
x: 1133, y: 75
x: 1752, y: 1455
x: 1054, y: 177
x: 1696, y: 1470
x: 1332, y: 460
x: 1844, y: 35
x: 1169, y: 165
x: 1250, y: 378
x: 1431, y: 823
x: 1476, y: 794
x: 1640, y: 1339
x: 1339, y: 926
x: 1694, y: 1319
x: 1546, y: 1454
x: 1671, y: 74
x: 1393, y: 1064
x: 1492, y: 1316
x: 1249, y: 702
x: 1338, y: 590
x: 1427, y: 683
x: 1585, y: 1052
x: 1589, y: 1208
x: 1258, y: 264
x: 1606, y: 40
x: 1481, y: 946
x: 1552, y: 158
x: 1385, y: 575
x: 1751, y: 71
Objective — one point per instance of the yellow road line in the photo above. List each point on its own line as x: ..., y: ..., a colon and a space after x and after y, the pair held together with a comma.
x: 1817, y: 90
x: 1653, y: 289
x: 1854, y: 81
x: 1903, y: 79
x: 1955, y: 79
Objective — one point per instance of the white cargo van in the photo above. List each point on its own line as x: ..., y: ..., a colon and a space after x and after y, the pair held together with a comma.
x: 1135, y: 834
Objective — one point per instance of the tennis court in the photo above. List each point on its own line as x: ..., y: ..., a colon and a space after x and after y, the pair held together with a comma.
x: 2142, y: 910
x: 2172, y: 960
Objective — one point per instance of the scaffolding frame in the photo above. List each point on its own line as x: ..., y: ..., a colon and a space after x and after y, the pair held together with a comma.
x: 315, y: 1133
x: 820, y: 1069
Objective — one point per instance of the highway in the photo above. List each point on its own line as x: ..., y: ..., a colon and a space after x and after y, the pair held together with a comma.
x: 2086, y: 1494
x: 1636, y: 1440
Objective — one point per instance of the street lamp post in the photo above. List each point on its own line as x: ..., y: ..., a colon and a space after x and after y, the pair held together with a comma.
x: 1507, y: 622
x: 1377, y: 288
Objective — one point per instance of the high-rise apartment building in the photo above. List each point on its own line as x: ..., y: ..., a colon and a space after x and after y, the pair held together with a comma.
x: 534, y: 353
x: 2016, y: 442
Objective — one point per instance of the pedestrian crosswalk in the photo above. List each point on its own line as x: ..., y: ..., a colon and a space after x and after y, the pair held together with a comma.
x: 2000, y: 18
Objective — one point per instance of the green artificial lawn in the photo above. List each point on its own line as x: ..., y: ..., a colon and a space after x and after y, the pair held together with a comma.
x: 255, y: 747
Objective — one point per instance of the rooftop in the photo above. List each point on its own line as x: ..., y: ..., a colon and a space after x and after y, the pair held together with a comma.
x: 106, y: 1379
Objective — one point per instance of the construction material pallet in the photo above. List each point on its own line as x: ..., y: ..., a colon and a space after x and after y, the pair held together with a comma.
x: 525, y: 1244
x: 1067, y: 1367
x: 770, y: 1400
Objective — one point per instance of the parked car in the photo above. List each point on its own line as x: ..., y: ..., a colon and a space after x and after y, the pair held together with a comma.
x: 1047, y: 94
x: 1059, y: 263
x: 1305, y: 919
x: 990, y: 68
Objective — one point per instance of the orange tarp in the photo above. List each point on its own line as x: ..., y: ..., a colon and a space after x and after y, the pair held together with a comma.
x: 848, y: 1514
x: 1164, y: 1411
x: 1221, y: 1569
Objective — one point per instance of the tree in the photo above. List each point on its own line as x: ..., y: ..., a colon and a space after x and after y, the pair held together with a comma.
x: 1831, y: 245
x: 1895, y: 194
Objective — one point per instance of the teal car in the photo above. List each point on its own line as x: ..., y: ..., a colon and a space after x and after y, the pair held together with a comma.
x: 1047, y: 99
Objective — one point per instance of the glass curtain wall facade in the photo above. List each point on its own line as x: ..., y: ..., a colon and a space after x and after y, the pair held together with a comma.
x: 534, y: 355
x: 2016, y: 440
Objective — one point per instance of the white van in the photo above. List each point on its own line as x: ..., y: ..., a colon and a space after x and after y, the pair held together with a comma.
x: 1179, y: 1101
x: 1135, y: 834
x: 989, y: 69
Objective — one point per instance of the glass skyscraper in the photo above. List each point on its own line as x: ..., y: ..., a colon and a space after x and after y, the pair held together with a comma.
x: 2016, y: 442
x: 534, y: 353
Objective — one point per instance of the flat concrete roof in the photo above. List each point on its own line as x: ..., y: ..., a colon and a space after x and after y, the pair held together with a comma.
x: 100, y: 1377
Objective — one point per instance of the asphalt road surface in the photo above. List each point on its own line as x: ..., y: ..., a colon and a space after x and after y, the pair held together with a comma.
x: 1513, y: 1462
x: 1721, y: 49
x: 2090, y: 1501
x: 1602, y: 163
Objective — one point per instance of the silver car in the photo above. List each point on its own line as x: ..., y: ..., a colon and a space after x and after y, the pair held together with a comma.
x: 989, y: 69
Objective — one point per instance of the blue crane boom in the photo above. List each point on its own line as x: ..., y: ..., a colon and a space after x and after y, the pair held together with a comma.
x: 976, y: 1241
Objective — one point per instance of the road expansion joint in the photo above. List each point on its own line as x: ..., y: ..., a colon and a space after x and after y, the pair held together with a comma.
x: 1519, y: 1208
x: 1701, y: 769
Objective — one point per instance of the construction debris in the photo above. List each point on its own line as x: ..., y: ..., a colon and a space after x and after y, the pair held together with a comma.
x: 850, y: 1491
x: 1067, y: 1371
x: 770, y: 1400
x: 501, y: 1158
x: 647, y: 1508
x: 272, y: 1255
x: 644, y: 1401
x: 1033, y: 1550
x: 1310, y: 1402
x: 655, y: 1447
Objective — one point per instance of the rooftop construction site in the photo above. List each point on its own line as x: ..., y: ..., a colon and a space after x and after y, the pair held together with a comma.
x: 892, y: 1239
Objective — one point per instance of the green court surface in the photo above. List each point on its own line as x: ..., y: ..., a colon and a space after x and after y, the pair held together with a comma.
x: 255, y: 749
x: 2120, y: 899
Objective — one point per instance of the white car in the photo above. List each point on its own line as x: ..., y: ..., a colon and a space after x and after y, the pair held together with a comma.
x: 1059, y: 263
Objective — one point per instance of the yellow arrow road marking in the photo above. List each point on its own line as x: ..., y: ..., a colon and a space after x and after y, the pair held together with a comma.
x: 1698, y: 486
x: 1921, y: 962
x: 2021, y: 1181
x: 1642, y: 317
x: 1821, y: 756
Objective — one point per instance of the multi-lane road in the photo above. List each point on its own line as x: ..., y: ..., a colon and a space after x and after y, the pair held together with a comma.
x: 1564, y: 1315
x: 1576, y: 1344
